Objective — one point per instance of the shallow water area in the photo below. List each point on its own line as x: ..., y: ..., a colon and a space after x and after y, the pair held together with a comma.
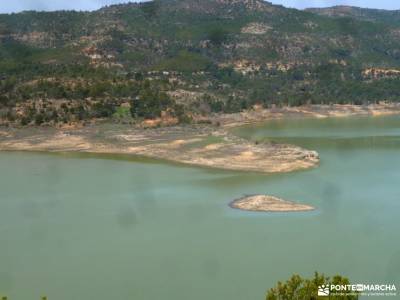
x: 93, y: 227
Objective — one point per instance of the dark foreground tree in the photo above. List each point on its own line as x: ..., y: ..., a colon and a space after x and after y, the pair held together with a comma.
x: 298, y: 288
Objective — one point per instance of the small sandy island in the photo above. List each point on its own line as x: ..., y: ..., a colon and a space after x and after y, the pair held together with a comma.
x: 265, y: 203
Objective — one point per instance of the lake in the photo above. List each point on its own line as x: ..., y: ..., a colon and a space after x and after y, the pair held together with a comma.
x: 76, y: 226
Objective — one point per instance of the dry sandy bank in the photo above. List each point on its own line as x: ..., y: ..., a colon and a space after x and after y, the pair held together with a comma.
x: 194, y: 145
x: 314, y: 111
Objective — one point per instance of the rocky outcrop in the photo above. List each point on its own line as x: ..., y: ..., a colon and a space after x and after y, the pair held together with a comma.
x: 256, y: 28
x: 377, y: 73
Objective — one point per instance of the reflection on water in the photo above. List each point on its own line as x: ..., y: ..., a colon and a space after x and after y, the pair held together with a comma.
x: 78, y: 226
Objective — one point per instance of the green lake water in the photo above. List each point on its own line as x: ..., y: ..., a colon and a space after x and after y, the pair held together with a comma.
x: 85, y: 227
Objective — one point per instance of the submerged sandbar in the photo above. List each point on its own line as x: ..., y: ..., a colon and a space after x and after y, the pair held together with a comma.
x: 266, y: 203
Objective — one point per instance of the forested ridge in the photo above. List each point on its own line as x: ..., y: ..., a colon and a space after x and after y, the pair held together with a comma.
x: 177, y: 58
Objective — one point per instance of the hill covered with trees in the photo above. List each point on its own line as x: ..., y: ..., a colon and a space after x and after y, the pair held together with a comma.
x: 178, y: 58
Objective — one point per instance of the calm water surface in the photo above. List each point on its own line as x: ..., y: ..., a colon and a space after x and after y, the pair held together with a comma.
x: 85, y: 227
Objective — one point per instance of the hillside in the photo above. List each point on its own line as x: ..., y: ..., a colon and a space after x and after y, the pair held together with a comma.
x: 177, y: 59
x: 391, y: 17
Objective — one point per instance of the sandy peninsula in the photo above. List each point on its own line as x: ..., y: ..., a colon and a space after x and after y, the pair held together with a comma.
x: 205, y: 146
x: 265, y: 203
x: 198, y: 145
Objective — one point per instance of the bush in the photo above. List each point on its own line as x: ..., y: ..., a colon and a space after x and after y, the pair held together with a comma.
x: 187, y: 62
x: 307, y: 289
x: 150, y: 103
x: 217, y: 36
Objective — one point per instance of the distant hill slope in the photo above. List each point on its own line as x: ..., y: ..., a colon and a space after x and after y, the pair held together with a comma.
x: 391, y: 17
x: 204, y: 55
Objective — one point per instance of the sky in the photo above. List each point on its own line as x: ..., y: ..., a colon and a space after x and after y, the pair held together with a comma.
x: 8, y: 6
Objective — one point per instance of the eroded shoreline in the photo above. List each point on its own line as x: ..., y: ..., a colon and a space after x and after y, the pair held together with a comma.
x: 204, y: 146
x: 197, y: 145
x: 308, y: 111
